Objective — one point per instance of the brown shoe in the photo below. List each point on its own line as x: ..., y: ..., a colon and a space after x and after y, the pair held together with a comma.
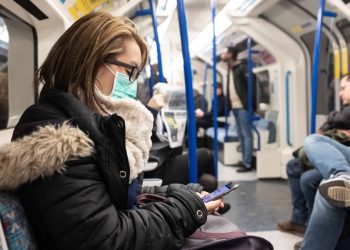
x: 291, y: 227
x: 297, y: 245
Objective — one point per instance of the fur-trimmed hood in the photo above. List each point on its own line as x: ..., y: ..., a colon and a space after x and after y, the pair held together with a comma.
x: 42, y: 153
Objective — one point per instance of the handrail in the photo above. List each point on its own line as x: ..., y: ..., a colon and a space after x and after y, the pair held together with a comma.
x: 156, y: 38
x: 204, y: 88
x: 315, y: 61
x: 215, y: 102
x: 192, y: 144
x: 151, y: 12
x: 288, y: 73
x: 150, y: 80
x: 251, y: 116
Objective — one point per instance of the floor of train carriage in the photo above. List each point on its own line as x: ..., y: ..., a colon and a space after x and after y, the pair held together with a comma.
x: 257, y: 205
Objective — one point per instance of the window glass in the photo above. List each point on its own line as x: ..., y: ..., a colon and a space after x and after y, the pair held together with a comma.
x: 326, y: 89
x: 4, y: 39
x: 17, y: 66
x: 263, y: 91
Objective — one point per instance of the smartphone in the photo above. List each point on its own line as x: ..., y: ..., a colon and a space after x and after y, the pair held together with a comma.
x: 220, y: 192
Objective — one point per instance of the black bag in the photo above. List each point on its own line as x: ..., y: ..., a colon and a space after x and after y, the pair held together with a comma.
x: 217, y: 233
x: 220, y: 233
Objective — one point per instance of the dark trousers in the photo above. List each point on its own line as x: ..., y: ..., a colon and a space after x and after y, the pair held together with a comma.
x: 175, y: 168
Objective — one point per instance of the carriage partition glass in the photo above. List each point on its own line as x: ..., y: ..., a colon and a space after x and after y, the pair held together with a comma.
x: 133, y: 74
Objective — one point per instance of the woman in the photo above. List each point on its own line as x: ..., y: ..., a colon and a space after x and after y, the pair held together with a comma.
x: 77, y: 155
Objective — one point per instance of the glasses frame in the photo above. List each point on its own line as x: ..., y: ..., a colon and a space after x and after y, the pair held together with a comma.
x: 135, y: 71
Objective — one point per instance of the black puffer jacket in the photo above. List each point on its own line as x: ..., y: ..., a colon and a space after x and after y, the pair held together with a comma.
x: 72, y: 178
x: 337, y: 120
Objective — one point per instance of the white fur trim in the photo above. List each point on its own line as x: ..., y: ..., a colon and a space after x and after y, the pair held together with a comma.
x: 41, y: 153
x: 138, y: 129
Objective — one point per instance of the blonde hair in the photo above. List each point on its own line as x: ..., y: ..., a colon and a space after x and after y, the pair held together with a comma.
x: 73, y: 61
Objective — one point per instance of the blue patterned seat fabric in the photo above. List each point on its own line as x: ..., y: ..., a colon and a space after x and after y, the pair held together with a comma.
x: 14, y: 223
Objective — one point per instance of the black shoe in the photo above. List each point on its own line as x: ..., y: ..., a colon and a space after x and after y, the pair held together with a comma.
x: 244, y: 169
x: 238, y: 164
x: 224, y: 209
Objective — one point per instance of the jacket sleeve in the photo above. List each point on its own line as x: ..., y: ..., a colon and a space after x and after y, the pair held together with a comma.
x: 338, y: 120
x: 73, y: 210
x: 167, y: 189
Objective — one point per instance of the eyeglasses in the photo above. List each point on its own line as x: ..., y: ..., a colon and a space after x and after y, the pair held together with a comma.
x: 134, y: 70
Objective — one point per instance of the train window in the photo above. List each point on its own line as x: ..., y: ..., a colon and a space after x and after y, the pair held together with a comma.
x: 344, y: 27
x: 4, y: 37
x: 263, y: 92
x: 326, y: 88
x: 17, y: 66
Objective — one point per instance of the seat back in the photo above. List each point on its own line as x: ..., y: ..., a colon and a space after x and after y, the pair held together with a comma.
x: 16, y: 232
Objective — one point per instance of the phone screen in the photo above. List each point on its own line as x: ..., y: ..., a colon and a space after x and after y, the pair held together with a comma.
x: 221, y: 191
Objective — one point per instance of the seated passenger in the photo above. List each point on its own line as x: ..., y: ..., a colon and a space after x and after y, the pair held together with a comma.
x: 205, y: 119
x: 174, y: 164
x: 304, y: 184
x: 77, y: 156
x: 327, y: 222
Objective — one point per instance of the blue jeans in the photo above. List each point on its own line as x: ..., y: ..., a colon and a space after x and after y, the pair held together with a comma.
x: 325, y: 226
x: 327, y: 155
x: 303, y: 186
x: 244, y: 134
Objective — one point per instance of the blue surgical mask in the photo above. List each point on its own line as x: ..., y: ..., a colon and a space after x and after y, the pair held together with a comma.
x: 122, y: 87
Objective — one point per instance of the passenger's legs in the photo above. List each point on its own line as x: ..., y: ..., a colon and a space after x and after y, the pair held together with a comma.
x: 309, y: 182
x: 245, y: 135
x: 328, y: 156
x: 300, y: 210
x: 176, y: 169
x: 325, y: 226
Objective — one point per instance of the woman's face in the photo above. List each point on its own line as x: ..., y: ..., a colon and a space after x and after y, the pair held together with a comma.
x: 131, y: 55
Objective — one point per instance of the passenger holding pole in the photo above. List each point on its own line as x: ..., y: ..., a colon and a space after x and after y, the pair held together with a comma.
x: 237, y: 85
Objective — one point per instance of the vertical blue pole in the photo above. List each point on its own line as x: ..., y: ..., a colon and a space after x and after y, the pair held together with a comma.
x: 192, y: 144
x: 287, y: 108
x: 250, y: 82
x: 204, y: 106
x: 315, y: 66
x: 215, y: 102
x: 156, y: 38
x: 150, y: 80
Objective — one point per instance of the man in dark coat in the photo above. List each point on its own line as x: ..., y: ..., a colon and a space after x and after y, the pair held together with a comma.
x: 237, y: 82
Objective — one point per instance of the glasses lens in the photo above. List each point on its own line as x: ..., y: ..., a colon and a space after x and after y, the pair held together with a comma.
x: 134, y: 75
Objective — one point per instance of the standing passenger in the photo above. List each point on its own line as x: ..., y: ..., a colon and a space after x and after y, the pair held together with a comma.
x: 238, y: 94
x: 77, y: 156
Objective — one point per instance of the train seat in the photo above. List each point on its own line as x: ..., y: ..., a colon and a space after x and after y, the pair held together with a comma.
x: 15, y: 232
x: 228, y: 143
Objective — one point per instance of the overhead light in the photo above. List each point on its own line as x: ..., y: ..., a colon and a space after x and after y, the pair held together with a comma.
x: 222, y: 22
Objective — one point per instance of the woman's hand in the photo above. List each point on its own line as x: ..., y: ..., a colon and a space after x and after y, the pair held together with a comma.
x: 156, y: 102
x: 199, y: 113
x: 212, y: 206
